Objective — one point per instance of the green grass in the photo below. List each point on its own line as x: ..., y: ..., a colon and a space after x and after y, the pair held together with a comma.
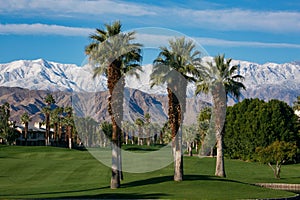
x: 48, y: 172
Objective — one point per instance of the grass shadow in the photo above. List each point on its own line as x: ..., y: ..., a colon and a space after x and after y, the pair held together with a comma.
x: 139, y: 149
x: 58, y: 192
x: 71, y: 194
x: 156, y: 180
x: 119, y: 196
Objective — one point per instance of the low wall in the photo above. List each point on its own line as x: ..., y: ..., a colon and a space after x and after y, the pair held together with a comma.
x: 281, y: 186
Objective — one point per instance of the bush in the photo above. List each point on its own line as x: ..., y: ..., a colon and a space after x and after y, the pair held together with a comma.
x: 254, y: 123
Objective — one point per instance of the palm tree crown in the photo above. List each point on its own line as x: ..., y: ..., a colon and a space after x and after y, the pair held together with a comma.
x: 111, y: 47
x: 220, y: 71
x: 25, y: 118
x: 180, y: 56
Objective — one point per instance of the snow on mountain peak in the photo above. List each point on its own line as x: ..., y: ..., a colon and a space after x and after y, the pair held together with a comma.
x: 43, y: 75
x: 46, y: 75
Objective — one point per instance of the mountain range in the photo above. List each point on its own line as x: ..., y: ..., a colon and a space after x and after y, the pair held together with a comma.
x: 24, y: 83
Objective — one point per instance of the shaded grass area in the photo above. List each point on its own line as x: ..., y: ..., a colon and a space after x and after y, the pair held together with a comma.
x: 142, y: 148
x: 48, y: 172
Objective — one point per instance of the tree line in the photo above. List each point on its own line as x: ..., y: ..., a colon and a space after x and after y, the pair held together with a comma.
x: 60, y: 119
x: 268, y: 132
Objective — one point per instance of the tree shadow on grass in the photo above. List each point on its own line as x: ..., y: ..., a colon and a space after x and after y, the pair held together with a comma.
x: 139, y: 149
x: 119, y: 196
x: 156, y: 180
x: 71, y: 194
x: 57, y: 192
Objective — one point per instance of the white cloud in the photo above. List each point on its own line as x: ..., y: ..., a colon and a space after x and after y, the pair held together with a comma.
x: 214, y: 19
x: 229, y: 43
x: 241, y: 20
x: 150, y: 37
x: 65, y: 7
x: 43, y: 29
x: 156, y: 40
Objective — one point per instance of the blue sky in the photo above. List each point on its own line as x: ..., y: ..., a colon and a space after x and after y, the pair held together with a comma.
x: 253, y: 30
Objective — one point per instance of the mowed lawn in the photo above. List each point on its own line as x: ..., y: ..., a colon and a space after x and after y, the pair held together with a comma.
x: 49, y: 172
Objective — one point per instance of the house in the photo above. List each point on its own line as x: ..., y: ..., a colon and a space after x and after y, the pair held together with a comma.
x: 35, y: 137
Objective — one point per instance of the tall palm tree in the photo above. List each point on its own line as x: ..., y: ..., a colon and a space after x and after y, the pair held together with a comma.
x: 114, y: 54
x: 69, y: 122
x: 46, y: 110
x: 55, y: 121
x: 60, y: 111
x: 49, y: 100
x: 140, y: 123
x: 147, y: 124
x: 203, y: 126
x: 176, y: 65
x: 5, y: 129
x: 125, y: 127
x: 221, y: 79
x: 25, y: 119
x: 131, y: 130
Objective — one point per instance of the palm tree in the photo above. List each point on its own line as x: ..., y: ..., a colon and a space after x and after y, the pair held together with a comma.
x: 106, y: 127
x: 60, y: 111
x: 25, y: 119
x: 139, y: 122
x: 55, y: 121
x: 69, y: 122
x: 147, y: 124
x: 46, y: 110
x: 131, y: 130
x: 203, y: 126
x: 48, y: 100
x: 114, y: 54
x: 176, y: 66
x: 5, y: 129
x: 125, y: 126
x: 220, y: 79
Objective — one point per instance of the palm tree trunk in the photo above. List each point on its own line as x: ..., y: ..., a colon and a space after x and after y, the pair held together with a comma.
x: 119, y: 154
x: 55, y: 132
x: 219, y: 99
x: 47, y: 129
x: 126, y: 135
x: 70, y: 136
x: 178, y: 158
x: 148, y: 137
x: 190, y: 148
x: 115, y: 108
x: 59, y: 132
x: 139, y: 133
x: 174, y: 113
x: 115, y: 175
x: 26, y: 133
x: 220, y: 168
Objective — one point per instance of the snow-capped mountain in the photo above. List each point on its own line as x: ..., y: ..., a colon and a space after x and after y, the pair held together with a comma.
x: 43, y: 75
x: 265, y: 81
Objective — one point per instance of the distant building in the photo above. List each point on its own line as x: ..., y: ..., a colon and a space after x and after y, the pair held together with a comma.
x: 35, y: 136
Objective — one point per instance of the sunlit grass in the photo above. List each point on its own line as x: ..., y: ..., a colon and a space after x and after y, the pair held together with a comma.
x: 48, y: 172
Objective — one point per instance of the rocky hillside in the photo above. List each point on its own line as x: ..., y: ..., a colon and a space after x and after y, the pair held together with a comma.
x: 88, y: 104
